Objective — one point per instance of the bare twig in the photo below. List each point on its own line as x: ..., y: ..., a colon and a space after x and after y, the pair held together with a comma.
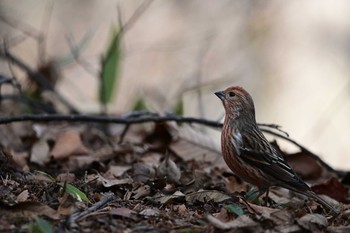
x: 45, y: 26
x: 144, y: 117
x: 77, y: 216
x: 303, y: 149
x: 25, y: 29
x: 135, y: 16
x: 109, y: 119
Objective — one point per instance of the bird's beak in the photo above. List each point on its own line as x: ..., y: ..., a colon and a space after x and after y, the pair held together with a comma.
x: 220, y: 94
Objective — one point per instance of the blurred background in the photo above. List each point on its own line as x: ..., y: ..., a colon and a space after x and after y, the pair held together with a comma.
x: 293, y: 57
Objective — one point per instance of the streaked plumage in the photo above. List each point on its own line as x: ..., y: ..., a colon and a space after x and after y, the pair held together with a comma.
x: 248, y: 153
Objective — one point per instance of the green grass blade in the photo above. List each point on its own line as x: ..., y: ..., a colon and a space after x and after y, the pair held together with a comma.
x: 110, y: 69
x: 74, y: 192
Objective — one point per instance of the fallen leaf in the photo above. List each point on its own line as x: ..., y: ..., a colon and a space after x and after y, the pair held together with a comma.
x: 304, y: 165
x: 141, y: 191
x: 113, y: 182
x: 66, y: 177
x: 67, y: 144
x: 163, y: 199
x: 116, y: 171
x: 207, y: 196
x: 40, y: 152
x: 150, y: 212
x: 21, y: 159
x: 142, y: 172
x: 313, y: 222
x: 169, y: 170
x: 180, y: 209
x: 23, y: 196
x: 67, y: 205
x: 32, y: 209
x: 241, y: 222
x: 191, y: 143
x: 124, y: 212
x: 332, y: 188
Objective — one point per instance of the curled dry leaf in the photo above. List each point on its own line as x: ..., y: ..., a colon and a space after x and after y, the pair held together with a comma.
x: 67, y: 144
x: 163, y: 199
x: 206, y: 196
x: 113, y: 182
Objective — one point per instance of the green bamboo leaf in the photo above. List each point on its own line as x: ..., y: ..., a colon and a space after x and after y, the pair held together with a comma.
x: 74, y: 192
x: 47, y: 175
x: 139, y: 105
x: 110, y: 68
x: 41, y: 226
x: 235, y: 208
x: 252, y: 195
x: 179, y: 108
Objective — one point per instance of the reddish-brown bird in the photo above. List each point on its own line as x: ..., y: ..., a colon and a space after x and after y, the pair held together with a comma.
x: 249, y: 154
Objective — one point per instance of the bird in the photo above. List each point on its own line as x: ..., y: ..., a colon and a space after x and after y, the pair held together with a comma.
x: 249, y: 154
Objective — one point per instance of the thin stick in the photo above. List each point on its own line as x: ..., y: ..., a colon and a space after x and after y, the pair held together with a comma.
x: 77, y: 216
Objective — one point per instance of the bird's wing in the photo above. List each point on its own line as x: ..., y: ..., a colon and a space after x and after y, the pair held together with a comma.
x: 264, y: 157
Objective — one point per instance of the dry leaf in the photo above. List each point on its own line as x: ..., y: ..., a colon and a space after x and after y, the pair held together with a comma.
x: 67, y: 144
x: 149, y: 212
x: 332, y: 188
x: 32, y: 209
x: 141, y: 191
x: 124, y: 212
x: 163, y: 199
x: 20, y: 159
x: 23, y: 196
x: 66, y: 177
x: 207, y: 196
x: 113, y: 182
x: 306, y: 166
x: 169, y: 170
x: 142, y: 172
x: 40, y: 152
x: 240, y: 222
x: 313, y: 222
x: 67, y: 205
x: 191, y: 143
x: 116, y: 171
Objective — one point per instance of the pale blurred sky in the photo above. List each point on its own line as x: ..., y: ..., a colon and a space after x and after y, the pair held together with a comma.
x: 292, y: 56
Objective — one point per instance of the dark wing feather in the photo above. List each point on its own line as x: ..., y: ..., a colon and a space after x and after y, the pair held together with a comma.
x: 264, y: 157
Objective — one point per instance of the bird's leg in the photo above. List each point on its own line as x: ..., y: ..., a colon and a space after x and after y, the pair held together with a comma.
x: 266, y: 197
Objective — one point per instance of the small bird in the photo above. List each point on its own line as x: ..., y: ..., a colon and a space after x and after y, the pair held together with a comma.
x: 249, y: 154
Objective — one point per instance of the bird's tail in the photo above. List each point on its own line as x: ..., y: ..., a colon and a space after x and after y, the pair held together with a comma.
x: 332, y: 209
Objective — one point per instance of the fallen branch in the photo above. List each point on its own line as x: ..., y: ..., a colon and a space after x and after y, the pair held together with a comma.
x: 77, y: 216
x: 145, y: 117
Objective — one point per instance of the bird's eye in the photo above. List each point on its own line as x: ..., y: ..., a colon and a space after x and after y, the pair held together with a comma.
x: 231, y: 94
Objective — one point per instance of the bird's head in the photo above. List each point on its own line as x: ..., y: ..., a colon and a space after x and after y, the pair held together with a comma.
x: 237, y: 102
